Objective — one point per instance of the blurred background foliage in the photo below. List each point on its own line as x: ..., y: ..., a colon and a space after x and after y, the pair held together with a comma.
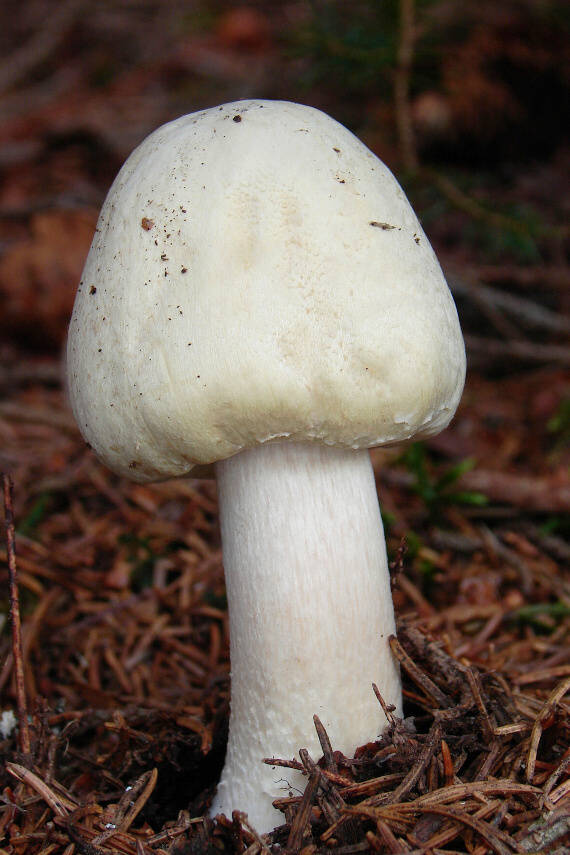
x: 468, y: 103
x: 486, y: 94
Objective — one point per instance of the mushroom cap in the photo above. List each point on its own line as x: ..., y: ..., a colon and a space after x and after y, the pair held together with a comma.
x: 258, y: 274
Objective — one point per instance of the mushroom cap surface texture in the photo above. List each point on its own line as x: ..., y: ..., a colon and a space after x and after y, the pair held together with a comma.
x: 258, y: 274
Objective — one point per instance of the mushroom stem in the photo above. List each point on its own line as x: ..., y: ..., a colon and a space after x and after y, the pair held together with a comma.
x: 310, y: 614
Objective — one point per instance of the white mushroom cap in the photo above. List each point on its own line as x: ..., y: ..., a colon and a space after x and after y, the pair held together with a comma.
x: 258, y: 274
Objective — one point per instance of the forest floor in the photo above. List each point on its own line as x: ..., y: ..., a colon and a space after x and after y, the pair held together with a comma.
x: 124, y: 659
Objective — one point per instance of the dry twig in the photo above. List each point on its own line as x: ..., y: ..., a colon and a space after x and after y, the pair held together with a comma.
x: 17, y: 653
x: 402, y: 77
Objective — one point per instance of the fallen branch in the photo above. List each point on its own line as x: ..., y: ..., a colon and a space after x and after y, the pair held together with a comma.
x: 531, y: 313
x: 526, y: 277
x: 532, y: 494
x: 520, y: 491
x: 487, y: 350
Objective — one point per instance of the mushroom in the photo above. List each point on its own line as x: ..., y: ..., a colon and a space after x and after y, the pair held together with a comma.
x: 260, y: 300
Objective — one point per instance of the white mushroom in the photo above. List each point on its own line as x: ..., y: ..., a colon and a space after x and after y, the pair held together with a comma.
x: 259, y: 295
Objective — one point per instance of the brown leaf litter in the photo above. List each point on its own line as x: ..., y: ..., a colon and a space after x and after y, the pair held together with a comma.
x: 124, y: 648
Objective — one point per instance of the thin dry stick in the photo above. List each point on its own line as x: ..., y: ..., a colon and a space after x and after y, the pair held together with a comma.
x: 548, y: 710
x: 387, y: 710
x: 326, y: 747
x: 17, y: 654
x: 528, y: 351
x: 402, y: 85
x: 301, y: 821
x: 528, y: 311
